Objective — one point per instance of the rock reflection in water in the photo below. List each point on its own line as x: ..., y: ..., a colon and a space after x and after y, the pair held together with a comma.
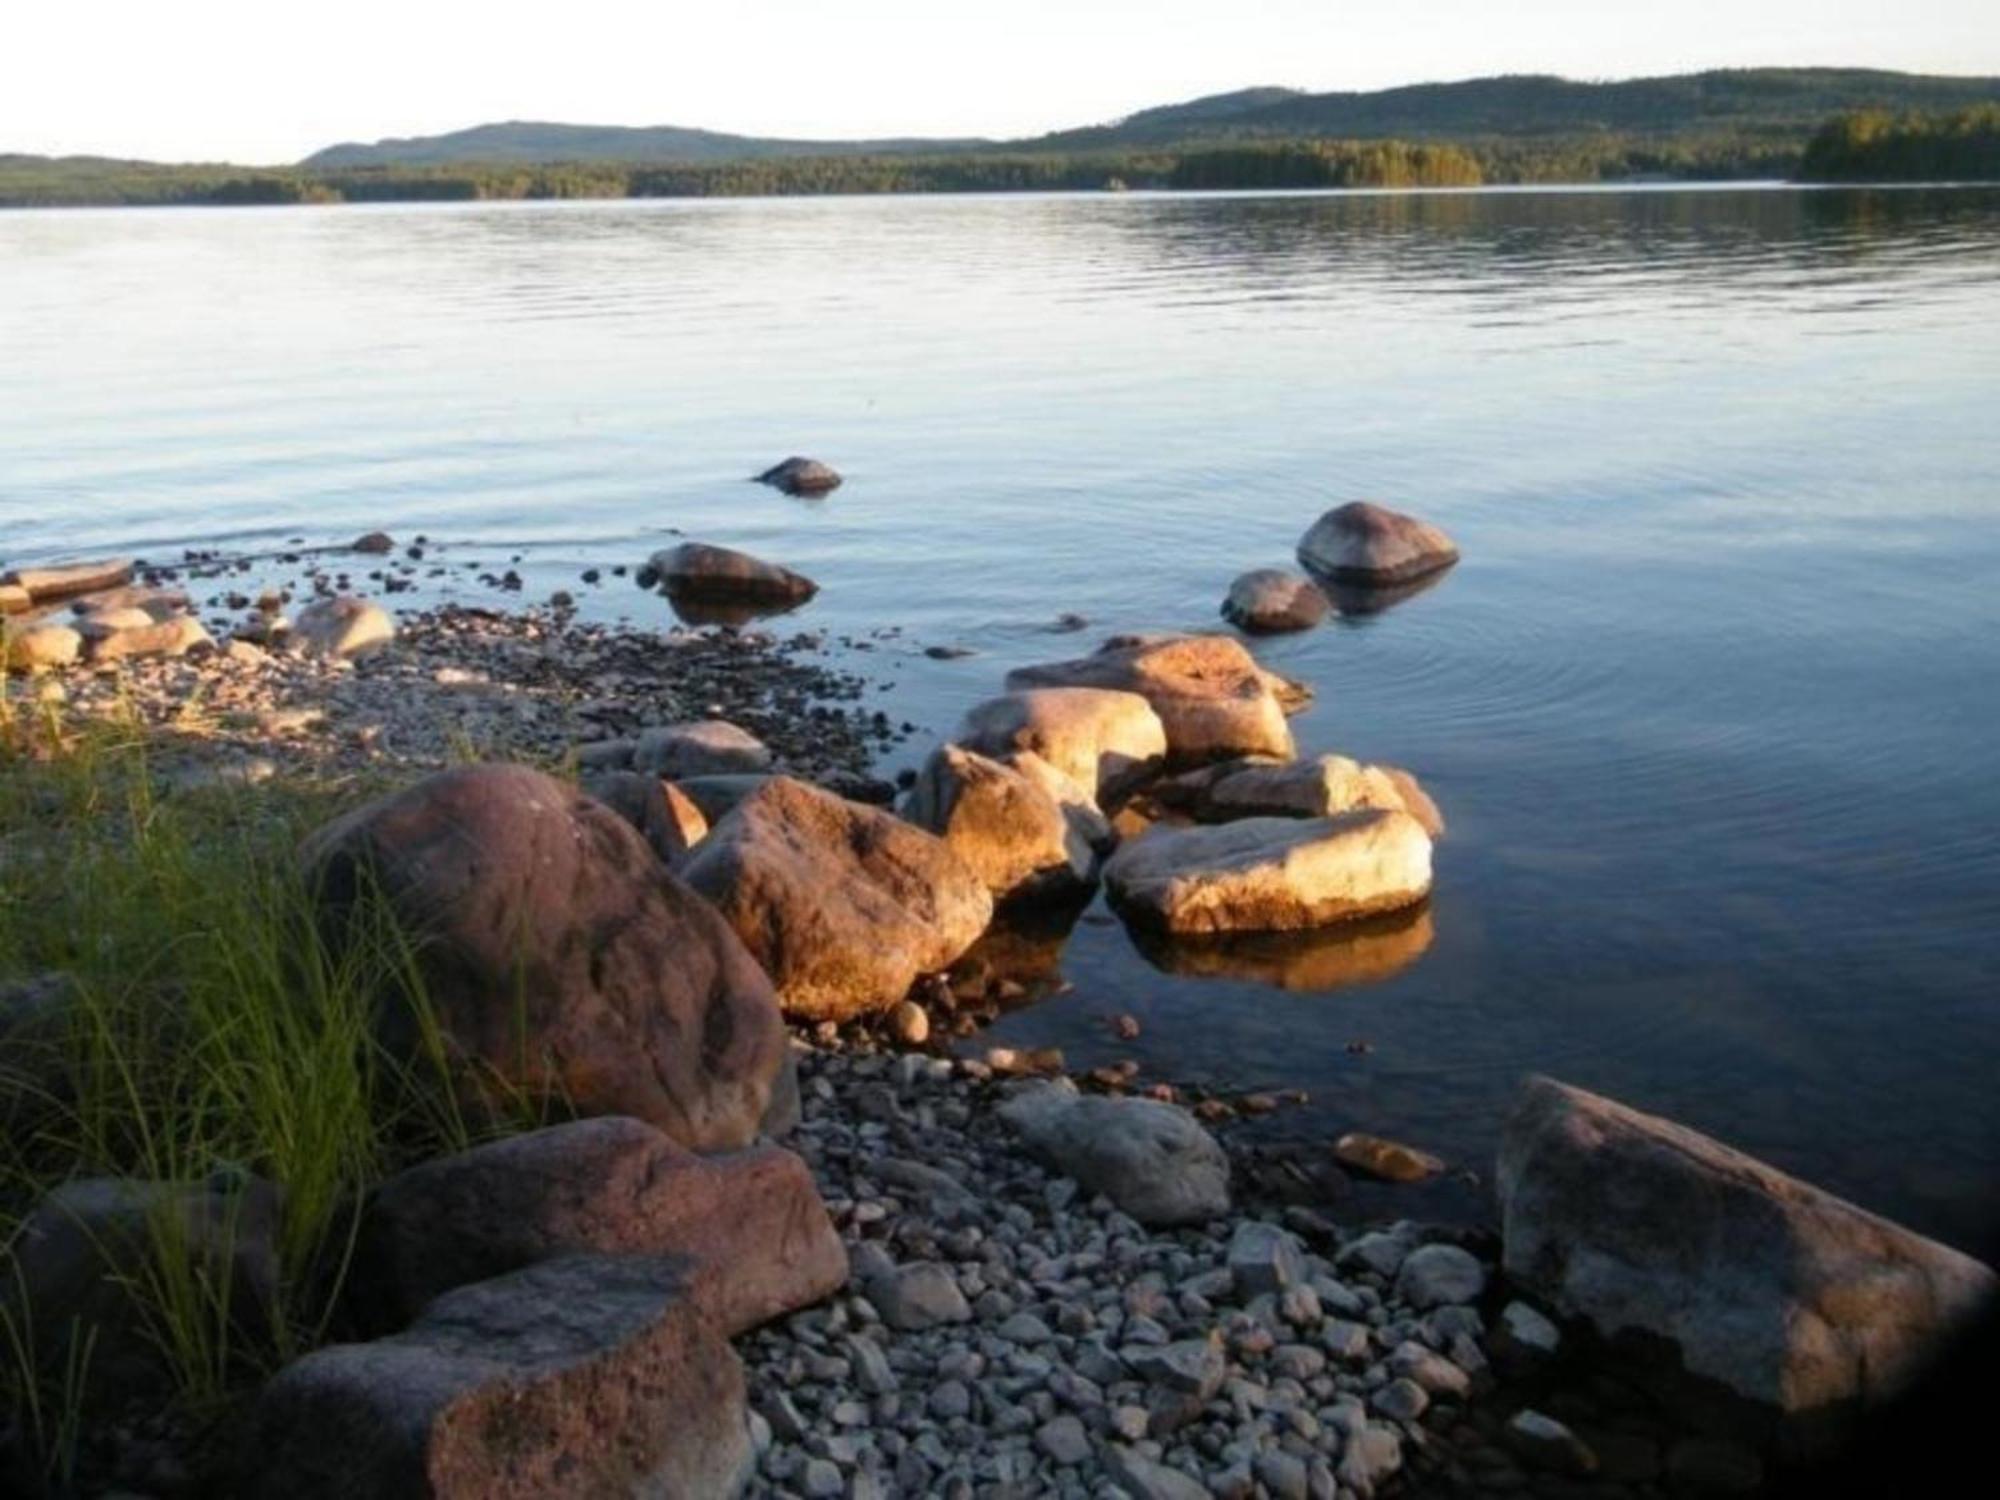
x: 1361, y: 599
x: 692, y: 610
x: 1331, y: 958
x: 1018, y: 960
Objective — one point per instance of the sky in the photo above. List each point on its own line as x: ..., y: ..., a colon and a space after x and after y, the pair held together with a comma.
x: 256, y: 81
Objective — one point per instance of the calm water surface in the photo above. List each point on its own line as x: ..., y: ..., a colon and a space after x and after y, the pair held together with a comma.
x: 1711, y: 703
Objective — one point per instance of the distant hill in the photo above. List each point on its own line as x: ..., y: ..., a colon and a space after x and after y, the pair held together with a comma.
x: 1789, y: 102
x: 529, y: 142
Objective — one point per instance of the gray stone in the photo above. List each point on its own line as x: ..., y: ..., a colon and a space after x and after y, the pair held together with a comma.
x: 1432, y: 1275
x: 1064, y: 1440
x: 1283, y: 1474
x: 1196, y: 1366
x: 1401, y: 1400
x: 1143, y: 1479
x: 707, y: 747
x: 1782, y: 1292
x: 915, y: 1297
x: 1148, y: 1157
x: 1529, y: 1330
x: 1263, y: 1259
x: 1548, y: 1444
x: 1267, y: 601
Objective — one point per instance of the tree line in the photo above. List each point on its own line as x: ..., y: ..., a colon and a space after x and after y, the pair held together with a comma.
x: 1872, y: 144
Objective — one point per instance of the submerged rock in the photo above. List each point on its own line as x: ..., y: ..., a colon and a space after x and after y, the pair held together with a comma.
x: 844, y: 905
x: 560, y: 958
x: 1270, y: 601
x: 1271, y: 874
x: 1212, y: 698
x: 586, y: 1375
x: 1784, y: 1293
x: 1104, y: 741
x: 1150, y: 1158
x: 1005, y: 825
x: 1368, y: 544
x: 751, y: 1221
x: 801, y: 476
x: 699, y: 572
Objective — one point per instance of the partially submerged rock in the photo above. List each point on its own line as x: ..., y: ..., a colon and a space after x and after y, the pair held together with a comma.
x: 61, y: 580
x: 560, y: 958
x: 1008, y: 829
x: 374, y: 543
x: 1318, y: 787
x: 751, y: 1222
x: 1212, y: 698
x: 1270, y: 601
x: 801, y: 476
x: 1150, y: 1158
x: 1784, y: 1293
x: 587, y: 1375
x: 703, y: 573
x: 1392, y: 1161
x: 342, y: 626
x: 1271, y: 874
x: 1104, y: 741
x: 844, y: 905
x: 1368, y: 544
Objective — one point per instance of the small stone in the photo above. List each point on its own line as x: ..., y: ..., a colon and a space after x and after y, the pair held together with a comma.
x: 1529, y: 1329
x: 1548, y: 1444
x: 915, y: 1297
x: 1392, y: 1161
x: 822, y: 1480
x: 1143, y: 1479
x: 1064, y: 1440
x: 1263, y: 1259
x: 950, y: 1399
x: 1193, y: 1365
x: 1436, y: 1374
x: 1283, y: 1474
x: 1401, y: 1400
x: 1433, y: 1275
x: 910, y: 1024
x: 374, y: 543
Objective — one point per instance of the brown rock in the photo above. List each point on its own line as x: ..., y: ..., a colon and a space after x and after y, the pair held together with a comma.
x: 561, y: 959
x: 116, y: 634
x: 374, y: 542
x: 844, y: 905
x: 588, y: 1376
x: 661, y: 811
x: 1269, y: 601
x: 751, y: 1222
x: 801, y: 476
x: 1782, y: 1292
x: 1213, y: 700
x: 1106, y: 742
x: 1392, y: 1161
x: 1007, y: 828
x: 1364, y: 543
x: 60, y: 580
x: 42, y: 646
x: 697, y: 571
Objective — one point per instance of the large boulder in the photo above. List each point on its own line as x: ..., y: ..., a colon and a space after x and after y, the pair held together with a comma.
x: 1317, y: 787
x: 1371, y: 545
x: 43, y: 645
x: 707, y: 747
x: 703, y: 573
x: 751, y: 1222
x: 1106, y: 742
x: 844, y: 905
x: 559, y: 957
x: 1270, y: 601
x: 1005, y: 825
x: 1782, y: 1292
x: 1213, y: 700
x: 74, y: 1279
x: 587, y: 1375
x: 1271, y: 874
x: 342, y: 627
x: 1150, y: 1158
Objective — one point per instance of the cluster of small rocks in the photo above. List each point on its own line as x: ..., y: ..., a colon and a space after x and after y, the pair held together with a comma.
x: 1007, y: 1334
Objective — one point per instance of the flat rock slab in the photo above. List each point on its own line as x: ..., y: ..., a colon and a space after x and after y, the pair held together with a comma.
x: 588, y: 1376
x: 750, y: 1223
x: 1782, y: 1292
x: 844, y: 905
x: 560, y: 958
x: 1271, y: 874
x: 1104, y: 740
x: 1317, y: 787
x: 1373, y: 546
x: 1212, y: 698
x: 61, y: 580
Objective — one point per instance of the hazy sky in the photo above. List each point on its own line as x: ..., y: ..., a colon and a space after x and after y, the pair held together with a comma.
x: 256, y: 81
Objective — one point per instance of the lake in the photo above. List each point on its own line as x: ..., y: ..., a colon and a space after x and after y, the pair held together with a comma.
x: 1710, y: 704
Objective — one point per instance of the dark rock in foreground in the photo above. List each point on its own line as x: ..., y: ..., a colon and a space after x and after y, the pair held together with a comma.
x: 1270, y: 601
x: 561, y: 959
x: 589, y: 1376
x: 801, y: 476
x: 700, y: 573
x: 1363, y: 543
x: 1782, y: 1292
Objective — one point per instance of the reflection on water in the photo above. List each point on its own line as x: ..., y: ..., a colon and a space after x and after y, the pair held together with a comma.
x: 1356, y: 599
x: 1708, y: 701
x: 1332, y: 958
x: 692, y: 609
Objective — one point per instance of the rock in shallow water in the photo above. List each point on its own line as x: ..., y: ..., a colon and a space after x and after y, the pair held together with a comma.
x: 699, y: 572
x: 1102, y: 740
x: 801, y: 476
x: 1271, y: 874
x: 1317, y: 787
x: 1368, y: 544
x: 1269, y: 601
x: 1005, y: 825
x: 1781, y: 1291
